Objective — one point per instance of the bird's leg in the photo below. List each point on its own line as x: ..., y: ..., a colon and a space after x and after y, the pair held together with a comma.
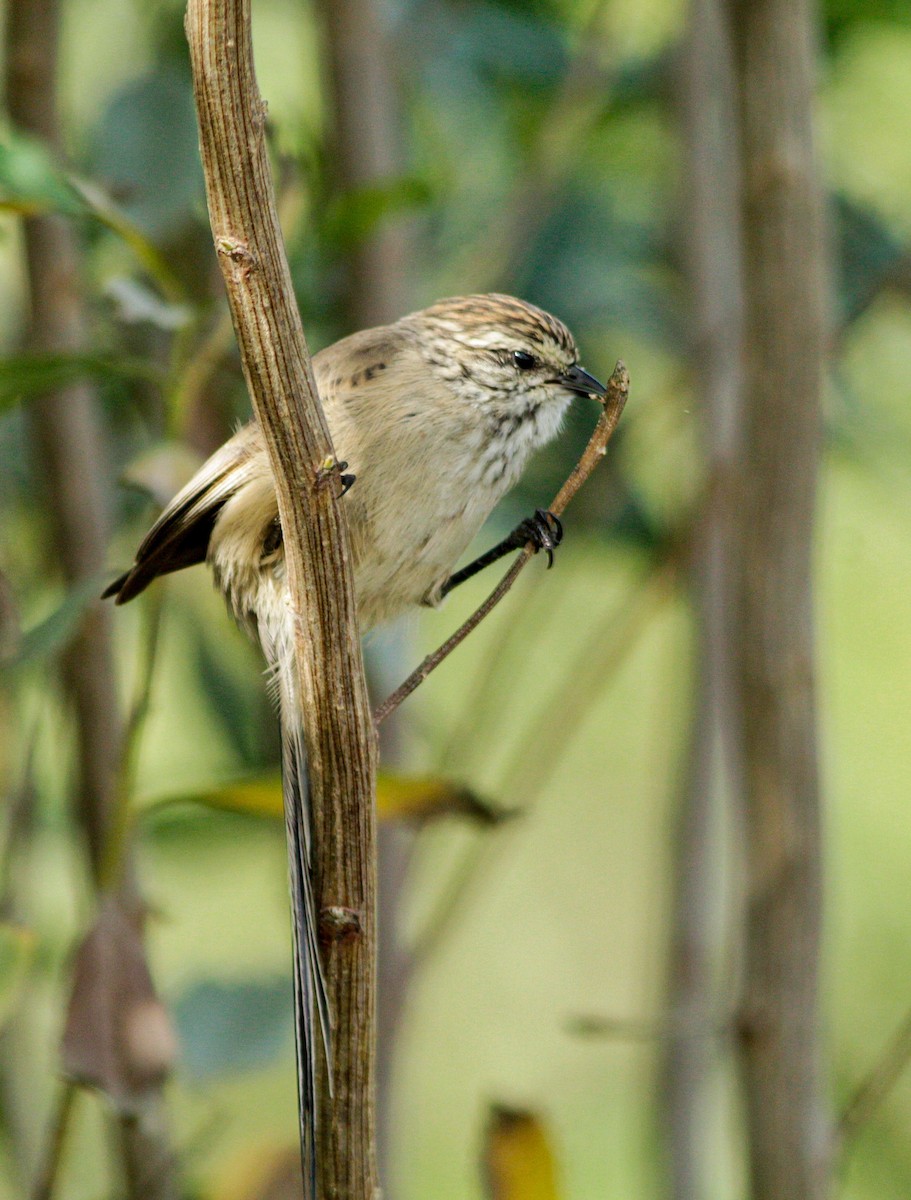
x: 543, y: 530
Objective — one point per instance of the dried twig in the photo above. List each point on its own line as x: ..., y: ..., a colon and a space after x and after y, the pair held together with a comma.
x: 614, y: 403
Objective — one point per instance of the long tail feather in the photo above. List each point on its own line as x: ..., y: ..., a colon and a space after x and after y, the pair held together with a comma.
x: 311, y: 1004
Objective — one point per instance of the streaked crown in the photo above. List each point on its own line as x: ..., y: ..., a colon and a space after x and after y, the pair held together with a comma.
x: 492, y: 347
x: 482, y: 321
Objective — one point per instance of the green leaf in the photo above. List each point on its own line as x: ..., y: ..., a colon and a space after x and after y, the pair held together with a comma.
x: 17, y: 949
x: 26, y: 375
x: 55, y: 632
x: 229, y: 1027
x: 32, y: 182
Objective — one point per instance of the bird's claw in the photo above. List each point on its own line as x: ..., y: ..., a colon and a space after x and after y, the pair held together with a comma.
x: 545, y: 532
x: 345, y: 480
x: 333, y: 469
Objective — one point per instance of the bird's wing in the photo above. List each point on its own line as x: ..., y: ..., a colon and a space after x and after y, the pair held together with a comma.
x: 180, y: 536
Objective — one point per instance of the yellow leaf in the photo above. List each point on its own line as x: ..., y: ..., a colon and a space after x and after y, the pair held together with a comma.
x: 398, y: 798
x: 258, y: 795
x: 419, y: 797
x: 518, y: 1157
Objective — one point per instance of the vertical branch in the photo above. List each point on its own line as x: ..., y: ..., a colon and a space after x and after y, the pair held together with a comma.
x: 784, y: 261
x: 66, y: 429
x: 713, y: 256
x: 338, y: 728
x: 72, y: 456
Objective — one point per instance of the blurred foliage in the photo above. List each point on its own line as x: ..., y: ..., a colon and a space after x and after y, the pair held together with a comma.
x: 17, y: 947
x: 543, y: 156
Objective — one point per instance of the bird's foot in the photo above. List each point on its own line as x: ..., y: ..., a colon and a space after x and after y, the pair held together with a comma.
x: 544, y: 530
x: 334, y: 469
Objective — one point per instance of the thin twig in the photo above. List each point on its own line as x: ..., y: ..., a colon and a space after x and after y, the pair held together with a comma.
x: 614, y: 403
x: 194, y: 375
x: 875, y: 1088
x: 631, y: 1029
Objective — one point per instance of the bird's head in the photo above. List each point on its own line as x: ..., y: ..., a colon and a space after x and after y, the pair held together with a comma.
x: 495, y: 349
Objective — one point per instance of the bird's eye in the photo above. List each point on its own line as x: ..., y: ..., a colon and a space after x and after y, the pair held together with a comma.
x: 523, y: 360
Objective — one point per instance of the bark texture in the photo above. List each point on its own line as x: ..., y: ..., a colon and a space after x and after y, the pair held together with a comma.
x: 339, y: 732
x: 789, y: 1128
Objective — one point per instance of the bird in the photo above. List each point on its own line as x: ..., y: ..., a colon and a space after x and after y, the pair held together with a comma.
x: 434, y: 418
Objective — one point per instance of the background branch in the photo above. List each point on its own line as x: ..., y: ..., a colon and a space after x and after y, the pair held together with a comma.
x: 72, y: 458
x: 338, y: 730
x: 710, y: 230
x: 784, y: 272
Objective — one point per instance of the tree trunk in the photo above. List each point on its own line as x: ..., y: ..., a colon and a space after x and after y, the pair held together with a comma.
x: 779, y: 1035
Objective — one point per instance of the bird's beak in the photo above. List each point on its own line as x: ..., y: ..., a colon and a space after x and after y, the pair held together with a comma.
x: 577, y: 380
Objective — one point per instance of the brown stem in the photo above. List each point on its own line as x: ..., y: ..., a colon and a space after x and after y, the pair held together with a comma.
x: 340, y: 739
x: 614, y: 403
x: 366, y: 152
x: 784, y: 271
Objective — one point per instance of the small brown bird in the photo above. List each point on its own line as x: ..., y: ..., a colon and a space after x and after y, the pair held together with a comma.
x: 437, y: 416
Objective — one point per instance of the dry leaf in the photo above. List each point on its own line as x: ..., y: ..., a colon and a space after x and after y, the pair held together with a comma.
x: 118, y: 1035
